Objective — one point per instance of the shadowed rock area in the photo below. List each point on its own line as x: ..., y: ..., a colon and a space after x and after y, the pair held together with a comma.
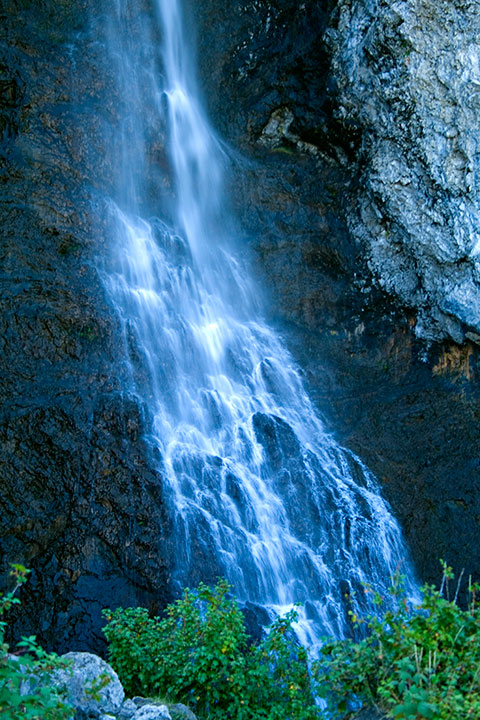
x: 80, y: 504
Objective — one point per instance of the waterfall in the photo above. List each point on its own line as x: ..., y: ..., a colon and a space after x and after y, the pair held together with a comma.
x: 259, y: 491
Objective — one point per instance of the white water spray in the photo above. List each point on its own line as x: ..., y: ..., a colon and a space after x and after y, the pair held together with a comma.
x: 259, y: 491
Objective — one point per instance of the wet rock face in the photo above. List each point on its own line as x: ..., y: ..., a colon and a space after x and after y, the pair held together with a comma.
x: 388, y: 90
x: 271, y: 55
x: 360, y: 218
x: 341, y: 188
x: 76, y: 482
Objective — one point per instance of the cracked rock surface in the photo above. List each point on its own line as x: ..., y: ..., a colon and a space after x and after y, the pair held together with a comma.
x: 408, y: 77
x: 356, y: 126
x: 353, y: 128
x: 80, y: 505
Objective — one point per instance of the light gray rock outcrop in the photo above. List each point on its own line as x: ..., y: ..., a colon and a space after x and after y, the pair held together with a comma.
x: 153, y: 712
x: 408, y: 77
x: 93, y: 687
x: 127, y: 711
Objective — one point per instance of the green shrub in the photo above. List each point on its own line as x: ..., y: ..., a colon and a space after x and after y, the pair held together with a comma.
x: 200, y: 654
x: 415, y: 662
x: 24, y: 690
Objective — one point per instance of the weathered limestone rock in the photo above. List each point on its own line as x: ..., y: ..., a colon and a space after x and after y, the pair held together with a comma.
x: 127, y: 710
x: 89, y: 672
x: 153, y: 712
x: 408, y: 77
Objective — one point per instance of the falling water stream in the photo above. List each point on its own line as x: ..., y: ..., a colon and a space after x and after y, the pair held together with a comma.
x: 260, y: 492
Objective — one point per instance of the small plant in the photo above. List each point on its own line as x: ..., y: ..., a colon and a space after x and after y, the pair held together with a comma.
x: 200, y: 654
x: 25, y: 692
x: 284, y: 150
x: 87, y: 333
x: 415, y: 662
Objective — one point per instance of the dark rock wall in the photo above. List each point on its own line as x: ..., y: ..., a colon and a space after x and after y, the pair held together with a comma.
x: 408, y: 408
x: 79, y: 502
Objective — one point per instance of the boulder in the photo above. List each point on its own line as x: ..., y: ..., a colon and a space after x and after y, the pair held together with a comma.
x: 93, y: 687
x: 153, y: 712
x: 127, y: 710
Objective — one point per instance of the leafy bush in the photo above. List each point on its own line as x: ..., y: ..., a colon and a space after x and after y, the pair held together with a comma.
x: 24, y: 690
x: 200, y: 654
x: 415, y: 662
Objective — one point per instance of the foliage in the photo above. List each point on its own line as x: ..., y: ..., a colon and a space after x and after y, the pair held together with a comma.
x: 200, y: 654
x: 414, y: 663
x: 25, y: 693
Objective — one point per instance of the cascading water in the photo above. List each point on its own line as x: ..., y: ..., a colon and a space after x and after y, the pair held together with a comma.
x: 259, y: 491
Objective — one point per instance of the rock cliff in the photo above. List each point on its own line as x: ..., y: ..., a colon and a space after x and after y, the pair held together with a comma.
x: 355, y: 179
x: 351, y: 119
x: 407, y: 76
x: 80, y: 503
